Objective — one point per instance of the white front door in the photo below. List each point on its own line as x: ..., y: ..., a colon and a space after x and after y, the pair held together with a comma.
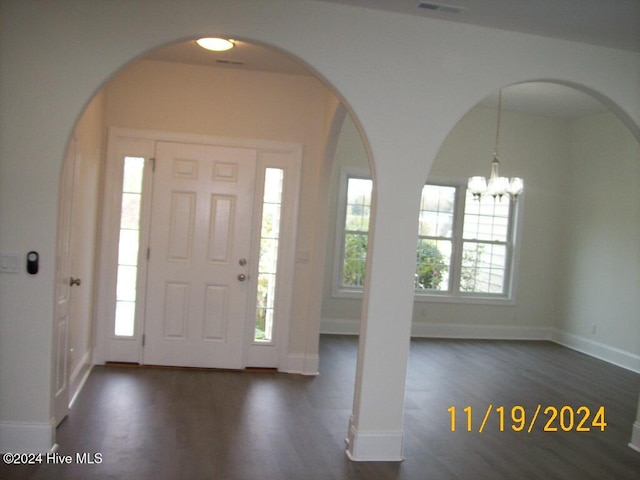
x: 200, y: 255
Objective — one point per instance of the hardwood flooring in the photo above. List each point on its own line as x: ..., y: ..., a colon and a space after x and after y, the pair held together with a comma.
x: 159, y: 424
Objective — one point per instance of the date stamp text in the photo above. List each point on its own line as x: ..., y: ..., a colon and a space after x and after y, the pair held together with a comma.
x: 520, y: 419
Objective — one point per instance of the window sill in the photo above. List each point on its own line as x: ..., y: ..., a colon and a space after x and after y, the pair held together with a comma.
x: 465, y: 299
x: 497, y: 300
x: 347, y: 293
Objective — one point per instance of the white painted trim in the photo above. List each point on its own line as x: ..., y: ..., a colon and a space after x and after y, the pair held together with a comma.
x: 602, y: 351
x: 164, y: 136
x: 27, y: 437
x: 120, y: 143
x: 375, y: 446
x: 80, y: 384
x: 338, y: 326
x: 134, y: 142
x: 480, y: 332
x: 635, y: 436
x: 302, y: 364
x: 346, y: 172
x: 82, y: 364
x: 512, y: 244
x: 311, y: 365
x: 290, y: 161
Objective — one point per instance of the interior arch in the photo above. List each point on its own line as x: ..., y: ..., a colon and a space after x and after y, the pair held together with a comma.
x: 265, y: 94
x: 96, y: 41
x: 546, y: 127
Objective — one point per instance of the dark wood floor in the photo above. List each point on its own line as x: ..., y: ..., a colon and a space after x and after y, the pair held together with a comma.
x: 194, y: 424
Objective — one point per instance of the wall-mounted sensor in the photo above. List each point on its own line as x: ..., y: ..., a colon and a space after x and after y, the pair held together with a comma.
x: 33, y: 259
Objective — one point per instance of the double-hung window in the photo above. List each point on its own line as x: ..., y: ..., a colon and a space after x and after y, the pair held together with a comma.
x: 465, y: 249
x: 487, y: 245
x: 357, y: 211
x: 436, y: 227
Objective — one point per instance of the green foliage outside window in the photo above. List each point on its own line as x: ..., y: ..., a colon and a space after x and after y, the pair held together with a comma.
x: 355, y: 260
x: 430, y: 270
x: 470, y: 262
x: 431, y: 266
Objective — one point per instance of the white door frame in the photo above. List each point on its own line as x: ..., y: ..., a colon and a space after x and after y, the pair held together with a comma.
x: 141, y: 143
x: 60, y: 393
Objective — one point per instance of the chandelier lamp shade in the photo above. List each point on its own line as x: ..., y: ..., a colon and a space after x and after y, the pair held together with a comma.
x: 496, y: 186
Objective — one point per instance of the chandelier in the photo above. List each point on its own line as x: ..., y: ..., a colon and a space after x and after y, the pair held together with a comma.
x: 497, y: 186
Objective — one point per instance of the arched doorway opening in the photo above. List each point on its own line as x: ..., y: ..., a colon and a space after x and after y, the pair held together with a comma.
x: 554, y: 136
x: 542, y: 141
x: 180, y: 94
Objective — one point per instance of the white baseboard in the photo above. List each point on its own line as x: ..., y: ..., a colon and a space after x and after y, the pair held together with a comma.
x: 301, y: 364
x: 635, y: 436
x: 605, y: 352
x: 26, y: 437
x: 82, y: 364
x: 602, y: 351
x: 337, y: 326
x: 76, y: 386
x: 479, y: 332
x: 375, y: 446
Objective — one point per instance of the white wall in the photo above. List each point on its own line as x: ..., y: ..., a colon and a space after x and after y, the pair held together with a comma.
x: 601, y: 258
x: 535, y: 148
x: 221, y: 102
x: 56, y: 55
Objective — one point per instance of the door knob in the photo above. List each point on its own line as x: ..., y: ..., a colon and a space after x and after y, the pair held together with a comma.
x: 74, y: 281
x: 242, y: 277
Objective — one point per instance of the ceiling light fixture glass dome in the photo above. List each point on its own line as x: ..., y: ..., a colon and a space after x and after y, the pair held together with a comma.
x: 216, y: 44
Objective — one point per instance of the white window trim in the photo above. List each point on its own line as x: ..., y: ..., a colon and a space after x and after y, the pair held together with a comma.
x: 451, y: 296
x: 337, y: 290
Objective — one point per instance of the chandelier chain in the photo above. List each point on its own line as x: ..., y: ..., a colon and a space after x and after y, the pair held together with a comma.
x: 496, y: 186
x: 495, y: 148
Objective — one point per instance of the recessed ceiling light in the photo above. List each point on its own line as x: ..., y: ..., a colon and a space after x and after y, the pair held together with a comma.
x: 216, y: 44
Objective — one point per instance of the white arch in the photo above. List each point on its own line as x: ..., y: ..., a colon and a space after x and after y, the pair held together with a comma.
x: 407, y: 80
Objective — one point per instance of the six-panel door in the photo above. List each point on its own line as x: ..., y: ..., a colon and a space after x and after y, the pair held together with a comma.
x: 200, y: 245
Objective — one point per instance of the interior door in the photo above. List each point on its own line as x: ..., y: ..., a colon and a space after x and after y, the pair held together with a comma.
x: 63, y: 286
x: 200, y: 255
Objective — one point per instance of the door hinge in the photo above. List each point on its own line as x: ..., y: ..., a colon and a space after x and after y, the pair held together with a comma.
x: 153, y: 164
x: 144, y: 337
x: 148, y: 253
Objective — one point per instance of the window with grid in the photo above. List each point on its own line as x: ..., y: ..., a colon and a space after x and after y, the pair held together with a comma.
x: 464, y: 250
x: 435, y: 238
x: 485, y: 245
x: 356, y: 232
